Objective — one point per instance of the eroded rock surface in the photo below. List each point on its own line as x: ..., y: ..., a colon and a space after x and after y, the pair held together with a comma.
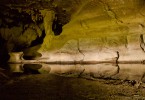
x: 91, y: 30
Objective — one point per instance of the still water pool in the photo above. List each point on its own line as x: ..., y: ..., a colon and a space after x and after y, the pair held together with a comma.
x: 72, y: 82
x: 104, y: 71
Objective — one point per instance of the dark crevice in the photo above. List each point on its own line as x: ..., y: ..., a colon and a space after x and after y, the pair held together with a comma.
x: 31, y: 68
x: 142, y: 44
x: 80, y: 51
x: 117, y: 57
x: 56, y: 26
x: 4, y: 56
x: 12, y: 17
x: 33, y: 57
x: 39, y: 40
x: 18, y: 48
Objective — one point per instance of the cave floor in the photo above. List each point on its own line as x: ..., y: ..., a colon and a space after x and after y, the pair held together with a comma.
x: 56, y: 86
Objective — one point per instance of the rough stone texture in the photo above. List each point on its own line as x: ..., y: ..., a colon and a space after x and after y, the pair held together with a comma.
x: 93, y: 30
x: 48, y: 18
x: 16, y: 57
x: 103, y: 28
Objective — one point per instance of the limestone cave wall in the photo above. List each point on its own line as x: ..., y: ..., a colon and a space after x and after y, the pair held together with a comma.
x: 74, y: 30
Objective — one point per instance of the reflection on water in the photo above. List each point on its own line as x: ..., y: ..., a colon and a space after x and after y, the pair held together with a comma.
x: 31, y: 69
x: 28, y: 69
x: 105, y: 71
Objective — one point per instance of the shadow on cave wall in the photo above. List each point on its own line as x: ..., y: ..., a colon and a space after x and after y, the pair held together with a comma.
x: 62, y: 17
x: 39, y: 40
x: 56, y: 26
x: 33, y: 47
x: 23, y: 30
x: 20, y: 30
x: 4, y: 56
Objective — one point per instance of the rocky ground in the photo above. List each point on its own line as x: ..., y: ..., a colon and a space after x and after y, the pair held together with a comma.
x: 56, y: 86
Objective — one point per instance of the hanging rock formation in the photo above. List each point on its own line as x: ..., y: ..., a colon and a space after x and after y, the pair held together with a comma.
x: 75, y: 30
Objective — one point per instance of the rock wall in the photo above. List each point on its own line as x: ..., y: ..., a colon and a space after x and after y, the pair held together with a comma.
x: 92, y: 30
x: 101, y: 30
